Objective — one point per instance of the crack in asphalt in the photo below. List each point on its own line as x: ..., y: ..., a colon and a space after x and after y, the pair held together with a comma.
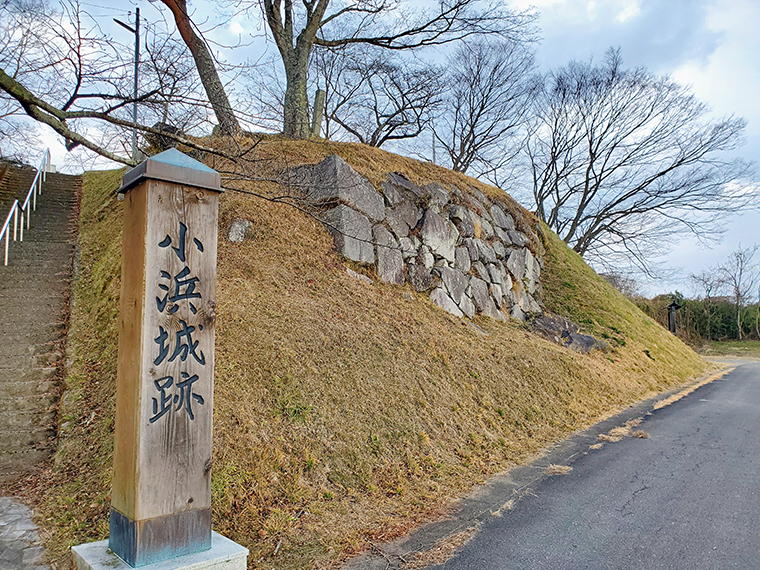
x: 630, y: 500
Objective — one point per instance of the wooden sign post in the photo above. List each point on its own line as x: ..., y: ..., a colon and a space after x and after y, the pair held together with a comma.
x: 161, y: 490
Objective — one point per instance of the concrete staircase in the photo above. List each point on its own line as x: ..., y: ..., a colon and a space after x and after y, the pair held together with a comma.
x: 34, y: 293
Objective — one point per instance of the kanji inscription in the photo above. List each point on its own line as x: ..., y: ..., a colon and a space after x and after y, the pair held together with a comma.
x: 181, y: 297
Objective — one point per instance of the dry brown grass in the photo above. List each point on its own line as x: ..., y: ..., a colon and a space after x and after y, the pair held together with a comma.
x: 689, y: 389
x: 344, y: 412
x: 505, y: 507
x: 442, y: 551
x: 557, y: 469
x: 620, y: 432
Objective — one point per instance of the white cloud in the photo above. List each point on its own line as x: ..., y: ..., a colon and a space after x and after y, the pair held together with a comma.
x: 540, y: 4
x: 236, y: 28
x: 729, y: 78
x: 591, y: 10
x: 630, y: 11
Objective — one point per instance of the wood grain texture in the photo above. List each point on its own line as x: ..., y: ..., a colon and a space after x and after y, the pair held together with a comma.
x: 128, y: 385
x: 166, y: 366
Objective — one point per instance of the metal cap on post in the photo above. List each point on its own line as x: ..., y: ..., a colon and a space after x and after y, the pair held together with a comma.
x: 161, y: 488
x: 173, y: 166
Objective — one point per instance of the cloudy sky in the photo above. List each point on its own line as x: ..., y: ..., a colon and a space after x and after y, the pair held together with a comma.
x: 712, y: 45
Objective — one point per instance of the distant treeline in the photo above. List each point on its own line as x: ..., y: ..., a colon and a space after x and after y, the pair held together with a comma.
x: 704, y: 319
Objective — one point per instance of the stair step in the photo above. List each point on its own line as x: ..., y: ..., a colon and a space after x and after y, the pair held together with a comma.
x: 16, y: 375
x: 13, y: 440
x: 39, y: 312
x: 26, y: 348
x: 33, y: 291
x: 15, y: 464
x: 32, y: 331
x: 18, y: 409
x: 34, y: 334
x: 24, y: 389
x: 24, y: 361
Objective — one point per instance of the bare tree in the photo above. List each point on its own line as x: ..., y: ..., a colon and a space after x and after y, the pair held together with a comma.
x: 61, y: 70
x: 391, y: 24
x: 710, y: 284
x: 488, y: 103
x: 626, y: 284
x: 741, y: 277
x: 17, y: 135
x: 622, y: 159
x: 375, y: 96
x: 206, y: 66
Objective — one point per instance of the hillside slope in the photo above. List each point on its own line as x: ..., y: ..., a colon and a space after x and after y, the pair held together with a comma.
x: 344, y: 411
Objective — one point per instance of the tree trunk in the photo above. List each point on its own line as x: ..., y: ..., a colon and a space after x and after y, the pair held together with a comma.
x: 296, y: 115
x: 206, y: 68
x: 739, y: 321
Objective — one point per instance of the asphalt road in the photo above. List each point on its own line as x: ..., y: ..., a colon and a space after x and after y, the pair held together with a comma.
x: 688, y: 497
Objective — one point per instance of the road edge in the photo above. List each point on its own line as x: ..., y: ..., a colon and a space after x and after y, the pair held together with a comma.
x: 427, y: 544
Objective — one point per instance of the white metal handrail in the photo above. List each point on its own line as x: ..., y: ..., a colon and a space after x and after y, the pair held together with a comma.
x: 31, y: 196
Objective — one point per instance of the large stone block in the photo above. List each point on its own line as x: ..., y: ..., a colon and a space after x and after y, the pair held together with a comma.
x: 419, y: 277
x: 487, y: 254
x: 462, y: 259
x: 502, y: 235
x: 472, y: 249
x: 479, y: 292
x: 486, y: 228
x: 517, y: 238
x: 439, y: 235
x: 532, y: 272
x: 333, y: 180
x: 401, y: 181
x: 390, y: 262
x: 501, y: 219
x: 462, y: 219
x: 455, y: 283
x: 352, y: 233
x: 425, y: 257
x: 467, y: 307
x: 516, y: 263
x: 490, y: 310
x: 391, y: 194
x: 407, y: 248
x: 497, y: 294
x: 495, y: 274
x: 481, y: 271
x: 476, y: 204
x: 408, y: 213
x: 435, y: 194
x: 440, y: 298
x: 499, y: 249
x: 397, y: 225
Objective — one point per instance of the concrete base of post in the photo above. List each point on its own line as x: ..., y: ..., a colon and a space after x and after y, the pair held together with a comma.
x: 223, y: 555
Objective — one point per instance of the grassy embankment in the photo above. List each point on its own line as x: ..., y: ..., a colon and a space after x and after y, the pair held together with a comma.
x: 344, y: 412
x: 731, y: 348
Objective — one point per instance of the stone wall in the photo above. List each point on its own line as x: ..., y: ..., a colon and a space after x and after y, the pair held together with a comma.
x: 456, y: 244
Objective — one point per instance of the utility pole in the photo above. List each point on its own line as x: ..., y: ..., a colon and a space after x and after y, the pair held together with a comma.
x: 432, y: 132
x: 136, y: 32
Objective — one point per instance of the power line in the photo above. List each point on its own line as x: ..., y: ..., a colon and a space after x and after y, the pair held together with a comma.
x: 119, y: 10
